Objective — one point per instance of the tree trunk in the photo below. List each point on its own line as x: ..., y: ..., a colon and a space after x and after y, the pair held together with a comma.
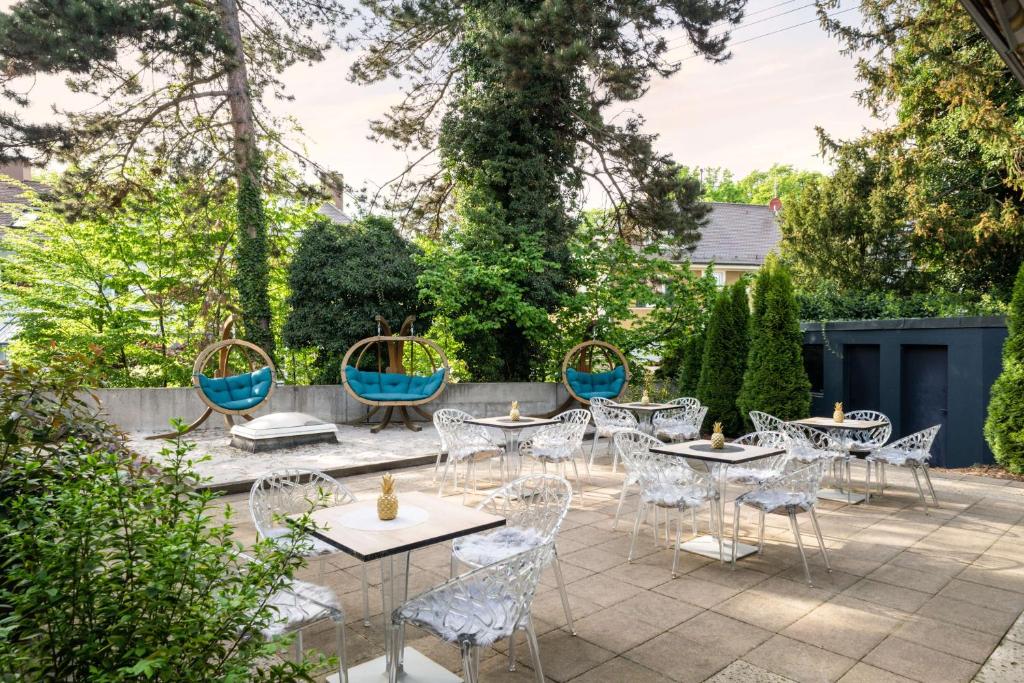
x: 252, y: 270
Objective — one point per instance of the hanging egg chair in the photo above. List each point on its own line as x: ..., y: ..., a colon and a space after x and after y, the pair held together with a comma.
x: 237, y: 385
x: 595, y: 369
x: 400, y: 371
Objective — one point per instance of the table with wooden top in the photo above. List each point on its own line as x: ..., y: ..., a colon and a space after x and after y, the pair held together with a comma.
x: 717, y: 462
x: 829, y: 425
x: 423, y: 520
x: 644, y: 412
x: 512, y: 430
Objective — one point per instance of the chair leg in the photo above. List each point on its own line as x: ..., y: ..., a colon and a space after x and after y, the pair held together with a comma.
x: 437, y: 465
x: 512, y: 651
x: 593, y: 447
x: 800, y: 545
x: 366, y: 598
x: 576, y: 473
x: 299, y: 649
x: 469, y: 672
x: 884, y: 479
x: 586, y: 467
x: 867, y: 481
x: 560, y: 580
x: 531, y: 640
x: 693, y: 520
x: 339, y: 643
x: 848, y: 468
x: 735, y: 532
x: 821, y: 541
x: 928, y: 480
x: 444, y: 476
x: 920, y: 491
x: 618, y: 510
x: 760, y: 534
x: 641, y: 508
x: 679, y: 540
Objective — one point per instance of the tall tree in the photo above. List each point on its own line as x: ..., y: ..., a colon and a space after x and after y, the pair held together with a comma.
x: 1004, y: 425
x: 180, y: 80
x: 725, y: 358
x: 512, y: 97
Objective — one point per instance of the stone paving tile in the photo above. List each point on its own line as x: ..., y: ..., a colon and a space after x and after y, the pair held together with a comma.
x: 887, y: 595
x: 745, y: 672
x: 985, y: 596
x: 680, y: 659
x: 620, y: 669
x: 714, y: 630
x: 615, y: 629
x: 958, y: 641
x: 905, y: 577
x: 658, y: 610
x: 1005, y: 666
x: 773, y: 604
x: 966, y: 614
x: 920, y: 663
x: 695, y: 591
x: 565, y: 657
x: 799, y: 661
x: 865, y: 673
x: 845, y: 626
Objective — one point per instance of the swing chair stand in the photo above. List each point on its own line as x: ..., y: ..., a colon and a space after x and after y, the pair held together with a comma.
x: 389, y: 414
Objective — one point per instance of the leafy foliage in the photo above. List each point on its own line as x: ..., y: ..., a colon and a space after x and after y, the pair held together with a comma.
x: 113, y: 568
x: 1004, y: 425
x: 757, y: 187
x: 512, y: 97
x: 725, y: 358
x: 822, y: 301
x: 775, y: 381
x: 341, y: 277
x: 688, y: 376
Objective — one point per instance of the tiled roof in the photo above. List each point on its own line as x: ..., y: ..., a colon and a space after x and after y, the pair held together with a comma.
x: 737, y: 235
x: 331, y: 211
x: 11, y: 193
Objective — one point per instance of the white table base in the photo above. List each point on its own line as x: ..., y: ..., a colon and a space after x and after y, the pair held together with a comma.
x: 417, y: 668
x: 840, y: 496
x: 708, y: 547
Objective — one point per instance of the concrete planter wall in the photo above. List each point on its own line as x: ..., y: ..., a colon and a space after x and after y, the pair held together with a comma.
x: 149, y: 410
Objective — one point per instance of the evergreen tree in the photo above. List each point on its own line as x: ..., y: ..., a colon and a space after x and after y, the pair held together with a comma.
x: 689, y: 368
x: 725, y: 357
x: 1004, y: 426
x: 341, y: 277
x: 775, y: 381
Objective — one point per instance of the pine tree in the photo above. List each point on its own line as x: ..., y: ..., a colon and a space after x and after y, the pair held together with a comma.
x: 775, y: 381
x: 1004, y: 426
x: 689, y: 368
x: 725, y: 357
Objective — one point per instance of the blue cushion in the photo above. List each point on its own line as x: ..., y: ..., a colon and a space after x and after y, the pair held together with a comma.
x: 391, y: 386
x: 591, y: 384
x: 237, y: 392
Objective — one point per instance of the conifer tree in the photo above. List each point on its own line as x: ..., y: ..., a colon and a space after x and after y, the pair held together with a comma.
x: 1004, y: 426
x: 725, y: 357
x: 689, y: 368
x: 775, y: 380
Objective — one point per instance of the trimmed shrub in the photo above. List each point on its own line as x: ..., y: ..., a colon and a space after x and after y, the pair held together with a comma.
x: 1004, y: 426
x: 724, y: 359
x: 775, y: 381
x: 689, y: 369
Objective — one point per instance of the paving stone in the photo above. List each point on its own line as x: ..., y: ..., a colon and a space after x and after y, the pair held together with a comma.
x: 920, y: 663
x: 679, y: 658
x: 620, y: 669
x: 1005, y: 666
x: 714, y: 630
x: 965, y: 614
x: 745, y: 672
x: 956, y: 640
x: 845, y: 626
x: 888, y: 595
x: 799, y: 661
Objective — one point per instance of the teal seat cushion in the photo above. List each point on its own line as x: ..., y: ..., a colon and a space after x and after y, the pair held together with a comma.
x: 589, y: 385
x: 391, y: 386
x: 237, y: 392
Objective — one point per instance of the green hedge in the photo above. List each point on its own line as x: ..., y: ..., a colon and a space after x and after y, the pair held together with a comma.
x: 1004, y: 426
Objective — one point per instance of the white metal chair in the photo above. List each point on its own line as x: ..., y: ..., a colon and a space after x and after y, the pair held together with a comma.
x: 755, y: 472
x: 808, y: 445
x: 682, y: 423
x: 862, y: 442
x: 465, y: 443
x: 912, y: 452
x: 558, y: 444
x: 275, y: 496
x: 479, y: 608
x: 763, y: 422
x: 300, y: 605
x: 668, y: 483
x: 632, y: 447
x: 790, y: 493
x: 533, y: 508
x: 608, y: 421
x: 442, y: 420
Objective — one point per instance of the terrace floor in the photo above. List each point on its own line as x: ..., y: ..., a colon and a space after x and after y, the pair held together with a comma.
x: 913, y: 596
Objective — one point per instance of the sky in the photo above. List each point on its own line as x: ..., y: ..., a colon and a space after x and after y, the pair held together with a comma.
x: 758, y: 108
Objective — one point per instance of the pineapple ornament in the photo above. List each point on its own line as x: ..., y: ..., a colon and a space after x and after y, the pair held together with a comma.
x: 838, y: 416
x: 387, y: 502
x: 513, y: 413
x: 645, y: 397
x: 717, y: 437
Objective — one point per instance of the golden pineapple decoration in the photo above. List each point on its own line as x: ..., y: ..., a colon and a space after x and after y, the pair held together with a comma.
x: 717, y: 437
x: 645, y: 397
x: 838, y: 416
x: 513, y: 413
x: 387, y: 503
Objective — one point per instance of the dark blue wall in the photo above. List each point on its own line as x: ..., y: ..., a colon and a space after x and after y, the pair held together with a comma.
x: 973, y: 348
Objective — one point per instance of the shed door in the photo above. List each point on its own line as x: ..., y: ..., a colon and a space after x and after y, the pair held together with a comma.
x: 924, y: 390
x: 861, y: 377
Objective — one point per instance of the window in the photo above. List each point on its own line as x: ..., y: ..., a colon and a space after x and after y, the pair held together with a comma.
x: 814, y: 366
x: 719, y: 278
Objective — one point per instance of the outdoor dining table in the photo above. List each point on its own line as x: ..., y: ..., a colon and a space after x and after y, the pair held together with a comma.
x: 829, y: 425
x: 717, y: 461
x: 512, y: 429
x: 423, y: 520
x: 644, y: 412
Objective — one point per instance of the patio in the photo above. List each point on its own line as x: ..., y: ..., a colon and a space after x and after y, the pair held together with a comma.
x: 912, y: 596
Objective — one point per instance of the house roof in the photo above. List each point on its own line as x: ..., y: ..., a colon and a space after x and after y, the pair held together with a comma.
x: 11, y: 192
x: 737, y: 235
x: 334, y: 214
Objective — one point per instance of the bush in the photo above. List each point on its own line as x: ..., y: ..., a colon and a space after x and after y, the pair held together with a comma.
x: 689, y: 368
x: 113, y: 568
x: 775, y: 381
x: 1004, y: 426
x: 341, y: 277
x: 724, y: 358
x: 825, y: 302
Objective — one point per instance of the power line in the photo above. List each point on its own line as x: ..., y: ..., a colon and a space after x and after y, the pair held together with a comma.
x: 772, y: 33
x: 746, y: 24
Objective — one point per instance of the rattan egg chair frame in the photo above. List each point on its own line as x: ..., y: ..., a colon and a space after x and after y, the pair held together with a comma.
x: 393, y: 348
x: 222, y: 349
x: 581, y: 358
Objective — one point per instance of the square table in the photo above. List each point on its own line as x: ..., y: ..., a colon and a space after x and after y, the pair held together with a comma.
x: 829, y: 425
x: 511, y: 428
x: 644, y: 412
x: 717, y: 460
x: 427, y: 520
